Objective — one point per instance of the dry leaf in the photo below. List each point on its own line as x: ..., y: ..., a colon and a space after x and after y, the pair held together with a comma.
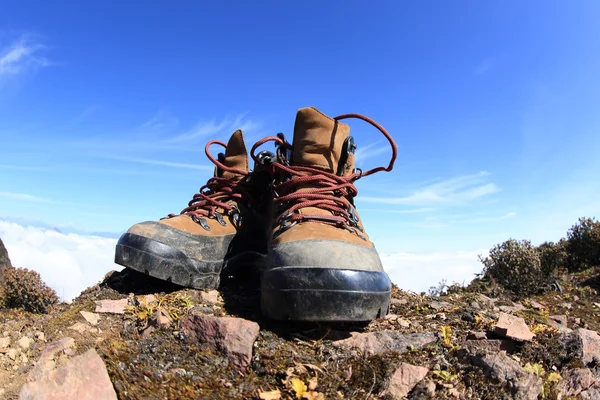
x: 312, y: 383
x: 270, y: 395
x: 299, y: 387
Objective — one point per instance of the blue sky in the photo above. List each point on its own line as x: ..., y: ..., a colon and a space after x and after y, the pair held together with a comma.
x: 105, y: 108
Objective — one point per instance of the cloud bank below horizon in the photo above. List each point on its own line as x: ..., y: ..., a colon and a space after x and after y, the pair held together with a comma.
x: 71, y: 262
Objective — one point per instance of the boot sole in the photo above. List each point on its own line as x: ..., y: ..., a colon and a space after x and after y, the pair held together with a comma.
x: 169, y: 264
x: 325, y: 294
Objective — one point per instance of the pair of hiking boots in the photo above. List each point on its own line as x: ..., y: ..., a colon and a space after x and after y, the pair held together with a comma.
x: 291, y: 221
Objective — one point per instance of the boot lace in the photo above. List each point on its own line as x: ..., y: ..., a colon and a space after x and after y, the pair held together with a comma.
x: 324, y: 190
x: 217, y: 193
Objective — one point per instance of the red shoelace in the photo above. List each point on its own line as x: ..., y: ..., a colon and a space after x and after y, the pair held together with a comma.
x: 216, y: 193
x: 327, y: 191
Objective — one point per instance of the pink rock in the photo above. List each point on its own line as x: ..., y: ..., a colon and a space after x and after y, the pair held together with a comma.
x: 513, y: 327
x: 404, y: 379
x: 210, y: 296
x: 590, y: 341
x: 111, y: 306
x: 50, y: 353
x: 90, y: 317
x: 83, y: 377
x: 574, y: 382
x: 234, y: 337
x: 372, y: 343
x: 79, y: 327
x: 561, y: 319
x: 162, y: 318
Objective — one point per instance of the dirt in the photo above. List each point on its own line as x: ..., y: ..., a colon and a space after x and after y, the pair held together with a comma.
x: 149, y: 362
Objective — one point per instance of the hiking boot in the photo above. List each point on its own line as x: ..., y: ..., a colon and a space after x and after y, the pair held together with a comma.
x: 217, y: 230
x: 324, y: 267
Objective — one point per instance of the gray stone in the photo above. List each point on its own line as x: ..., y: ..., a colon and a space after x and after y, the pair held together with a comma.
x: 378, y: 342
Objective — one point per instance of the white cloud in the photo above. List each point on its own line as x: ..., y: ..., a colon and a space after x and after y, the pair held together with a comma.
x: 24, y: 197
x: 455, y: 190
x: 369, y: 151
x: 211, y: 128
x: 68, y: 263
x: 21, y: 55
x: 419, y: 271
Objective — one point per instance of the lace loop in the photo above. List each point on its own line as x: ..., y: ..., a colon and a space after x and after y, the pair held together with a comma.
x: 217, y: 193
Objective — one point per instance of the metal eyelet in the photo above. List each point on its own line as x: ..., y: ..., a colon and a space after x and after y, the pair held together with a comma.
x: 201, y: 221
x: 220, y: 219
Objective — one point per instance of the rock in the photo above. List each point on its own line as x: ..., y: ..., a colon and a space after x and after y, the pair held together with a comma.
x: 568, y: 306
x: 4, y: 342
x: 90, y: 317
x: 590, y: 343
x: 391, y: 317
x: 378, y: 342
x: 477, y: 336
x: 13, y: 354
x: 467, y: 316
x: 82, y: 377
x: 592, y: 393
x: 475, y: 305
x: 491, y: 345
x: 147, y: 299
x: 111, y: 306
x: 25, y: 342
x: 39, y: 335
x: 453, y: 392
x: 403, y: 322
x: 561, y: 319
x: 514, y: 308
x: 537, y: 306
x: 162, y: 318
x: 501, y: 368
x: 404, y: 379
x: 398, y: 302
x: 485, y: 300
x: 440, y: 305
x: 4, y: 259
x: 513, y: 327
x: 211, y: 296
x: 79, y: 327
x: 575, y: 381
x: 234, y: 337
x: 50, y: 353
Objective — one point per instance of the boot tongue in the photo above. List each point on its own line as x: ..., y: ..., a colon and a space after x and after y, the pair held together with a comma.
x: 318, y: 140
x: 236, y: 156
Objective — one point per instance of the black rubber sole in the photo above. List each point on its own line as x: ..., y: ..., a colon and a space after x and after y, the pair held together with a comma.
x: 165, y: 262
x: 324, y: 294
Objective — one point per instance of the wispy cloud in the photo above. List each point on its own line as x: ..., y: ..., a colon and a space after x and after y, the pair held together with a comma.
x: 210, y: 128
x: 455, y: 190
x: 159, y: 122
x: 24, y: 197
x: 485, y: 66
x: 160, y: 162
x: 22, y: 54
x: 369, y: 151
x: 408, y: 211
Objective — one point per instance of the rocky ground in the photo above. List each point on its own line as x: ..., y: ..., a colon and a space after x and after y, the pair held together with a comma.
x: 131, y: 337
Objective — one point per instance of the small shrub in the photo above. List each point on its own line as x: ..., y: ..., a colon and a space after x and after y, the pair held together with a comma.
x: 552, y: 256
x: 583, y: 245
x: 516, y: 266
x: 23, y: 288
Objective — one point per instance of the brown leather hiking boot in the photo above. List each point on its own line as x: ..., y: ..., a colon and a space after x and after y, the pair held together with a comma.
x: 324, y: 267
x: 220, y: 229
